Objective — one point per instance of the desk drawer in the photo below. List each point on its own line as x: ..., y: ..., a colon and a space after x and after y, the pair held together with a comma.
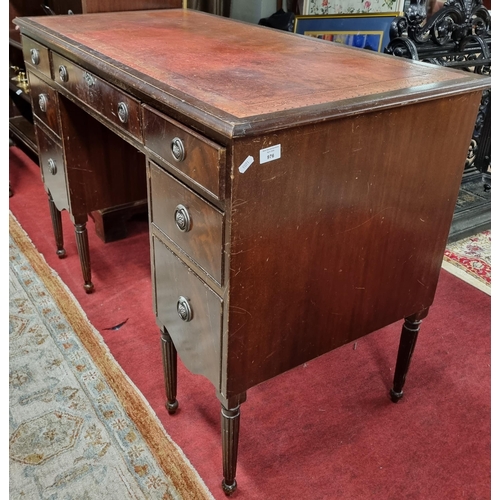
x: 108, y: 101
x: 52, y: 168
x: 36, y: 55
x: 188, y: 152
x: 190, y: 311
x: 188, y: 220
x: 44, y: 103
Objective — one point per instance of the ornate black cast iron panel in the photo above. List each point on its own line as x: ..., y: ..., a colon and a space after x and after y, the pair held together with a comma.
x: 458, y: 36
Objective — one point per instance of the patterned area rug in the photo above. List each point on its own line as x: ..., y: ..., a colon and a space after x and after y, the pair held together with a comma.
x: 79, y: 429
x: 470, y: 260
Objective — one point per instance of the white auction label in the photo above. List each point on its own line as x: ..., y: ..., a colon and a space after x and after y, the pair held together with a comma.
x: 243, y: 167
x: 270, y: 154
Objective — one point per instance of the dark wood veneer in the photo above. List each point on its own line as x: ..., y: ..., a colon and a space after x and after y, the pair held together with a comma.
x: 198, y: 340
x: 48, y: 114
x: 204, y: 159
x: 342, y: 233
x: 203, y: 242
x: 98, y: 95
x: 54, y: 180
x: 350, y: 224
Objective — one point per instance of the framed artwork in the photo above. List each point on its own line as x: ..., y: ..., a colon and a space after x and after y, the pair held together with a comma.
x: 332, y: 7
x: 366, y: 31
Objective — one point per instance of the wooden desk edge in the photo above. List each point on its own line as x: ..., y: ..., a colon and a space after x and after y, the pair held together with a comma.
x: 223, y: 126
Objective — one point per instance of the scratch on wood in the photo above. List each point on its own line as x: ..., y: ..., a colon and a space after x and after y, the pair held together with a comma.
x: 240, y: 310
x: 239, y: 203
x: 366, y: 221
x: 272, y: 178
x: 243, y: 251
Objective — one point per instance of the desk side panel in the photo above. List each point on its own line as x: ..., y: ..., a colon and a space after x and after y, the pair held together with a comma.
x: 342, y: 235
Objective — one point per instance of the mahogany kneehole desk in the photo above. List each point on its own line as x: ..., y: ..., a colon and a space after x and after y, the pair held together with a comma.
x: 300, y: 192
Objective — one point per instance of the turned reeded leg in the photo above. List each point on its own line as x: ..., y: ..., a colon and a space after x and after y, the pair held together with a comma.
x: 169, y: 356
x: 409, y: 335
x: 230, y: 422
x: 55, y: 215
x: 82, y: 244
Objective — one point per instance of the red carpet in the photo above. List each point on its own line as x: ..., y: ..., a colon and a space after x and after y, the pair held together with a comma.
x: 326, y: 430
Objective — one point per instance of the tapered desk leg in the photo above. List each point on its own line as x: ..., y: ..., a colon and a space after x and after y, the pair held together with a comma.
x: 409, y: 335
x: 82, y: 244
x: 55, y: 215
x: 230, y: 420
x: 169, y: 356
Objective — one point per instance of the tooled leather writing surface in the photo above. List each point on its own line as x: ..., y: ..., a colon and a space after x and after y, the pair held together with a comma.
x: 236, y: 68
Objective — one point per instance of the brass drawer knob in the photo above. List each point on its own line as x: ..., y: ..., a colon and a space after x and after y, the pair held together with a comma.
x: 184, y: 309
x: 35, y: 56
x: 182, y: 218
x: 177, y: 148
x: 43, y: 100
x: 122, y: 112
x: 63, y: 73
x: 52, y: 166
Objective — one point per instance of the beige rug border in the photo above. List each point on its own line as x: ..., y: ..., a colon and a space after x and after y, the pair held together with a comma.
x: 166, y: 452
x: 465, y: 276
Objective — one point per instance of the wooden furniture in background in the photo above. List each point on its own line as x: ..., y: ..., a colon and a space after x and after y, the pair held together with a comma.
x: 285, y: 220
x: 110, y: 224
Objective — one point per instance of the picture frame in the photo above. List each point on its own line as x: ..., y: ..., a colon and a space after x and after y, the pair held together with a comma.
x: 367, y: 31
x: 335, y: 7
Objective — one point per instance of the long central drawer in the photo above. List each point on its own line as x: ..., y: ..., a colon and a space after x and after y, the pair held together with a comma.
x: 109, y: 101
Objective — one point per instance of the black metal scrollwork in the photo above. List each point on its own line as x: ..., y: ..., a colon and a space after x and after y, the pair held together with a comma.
x: 458, y: 36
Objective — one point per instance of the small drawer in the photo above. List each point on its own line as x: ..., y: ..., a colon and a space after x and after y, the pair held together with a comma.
x: 44, y: 103
x: 191, y: 312
x: 188, y: 152
x: 36, y: 55
x: 108, y: 101
x: 52, y: 168
x: 188, y: 220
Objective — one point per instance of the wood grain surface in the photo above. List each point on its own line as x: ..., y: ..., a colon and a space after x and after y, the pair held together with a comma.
x: 342, y: 235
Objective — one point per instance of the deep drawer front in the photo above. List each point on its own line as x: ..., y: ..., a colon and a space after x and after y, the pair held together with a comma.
x: 188, y: 220
x: 36, y: 55
x: 52, y: 168
x: 190, y: 311
x: 44, y: 103
x: 185, y: 150
x: 110, y: 102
